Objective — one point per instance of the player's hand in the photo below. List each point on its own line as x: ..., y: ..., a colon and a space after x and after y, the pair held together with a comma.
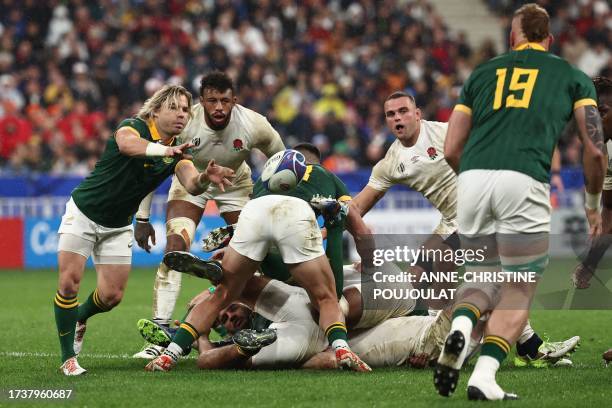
x: 219, y: 175
x: 180, y: 151
x: 594, y: 218
x: 142, y: 232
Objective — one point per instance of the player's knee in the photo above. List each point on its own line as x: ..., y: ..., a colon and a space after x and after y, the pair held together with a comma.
x: 111, y: 297
x: 69, y: 283
x: 179, y: 232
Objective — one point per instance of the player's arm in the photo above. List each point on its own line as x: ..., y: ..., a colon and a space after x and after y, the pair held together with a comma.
x: 365, y: 200
x: 555, y: 171
x: 196, y: 183
x: 131, y: 144
x: 590, y: 131
x: 459, y: 127
x: 144, y: 230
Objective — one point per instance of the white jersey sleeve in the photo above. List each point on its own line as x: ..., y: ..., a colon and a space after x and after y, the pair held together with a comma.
x: 381, y: 178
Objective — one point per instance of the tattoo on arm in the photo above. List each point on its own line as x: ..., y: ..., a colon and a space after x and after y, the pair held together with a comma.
x: 593, y: 127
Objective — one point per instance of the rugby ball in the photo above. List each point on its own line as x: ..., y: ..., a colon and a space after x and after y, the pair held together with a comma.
x: 283, y: 171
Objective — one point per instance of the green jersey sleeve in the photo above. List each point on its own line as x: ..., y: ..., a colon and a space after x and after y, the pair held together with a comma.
x: 583, y: 92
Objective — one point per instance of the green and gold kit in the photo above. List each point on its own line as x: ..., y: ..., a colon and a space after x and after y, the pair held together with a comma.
x: 111, y: 194
x: 520, y: 102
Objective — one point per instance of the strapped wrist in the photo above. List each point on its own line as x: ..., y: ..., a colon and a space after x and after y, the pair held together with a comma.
x: 155, y: 150
x: 592, y: 201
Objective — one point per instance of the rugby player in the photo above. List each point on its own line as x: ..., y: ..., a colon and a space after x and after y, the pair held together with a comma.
x: 221, y: 130
x: 500, y: 140
x: 139, y: 156
x: 584, y: 271
x: 289, y: 223
x: 416, y: 159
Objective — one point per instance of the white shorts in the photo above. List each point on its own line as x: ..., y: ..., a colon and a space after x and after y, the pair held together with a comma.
x: 392, y: 342
x: 502, y: 201
x: 286, y: 222
x: 299, y: 337
x: 233, y: 199
x: 80, y: 235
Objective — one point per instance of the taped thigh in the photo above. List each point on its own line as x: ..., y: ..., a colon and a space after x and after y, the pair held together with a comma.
x: 184, y: 227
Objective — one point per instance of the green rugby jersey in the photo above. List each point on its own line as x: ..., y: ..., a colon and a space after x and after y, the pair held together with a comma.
x: 520, y: 102
x: 111, y: 194
x: 316, y: 181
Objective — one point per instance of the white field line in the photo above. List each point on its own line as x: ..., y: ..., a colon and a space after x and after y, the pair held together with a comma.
x: 28, y: 354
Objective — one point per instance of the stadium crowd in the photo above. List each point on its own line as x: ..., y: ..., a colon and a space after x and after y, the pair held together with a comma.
x: 319, y: 70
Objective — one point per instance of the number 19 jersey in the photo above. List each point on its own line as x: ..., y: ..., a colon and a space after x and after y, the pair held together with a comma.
x: 520, y: 103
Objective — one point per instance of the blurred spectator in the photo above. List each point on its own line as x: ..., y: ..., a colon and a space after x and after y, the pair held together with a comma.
x: 318, y: 70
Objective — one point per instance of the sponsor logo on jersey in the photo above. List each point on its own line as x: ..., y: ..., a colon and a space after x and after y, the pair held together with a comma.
x: 195, y: 141
x: 414, y: 159
x: 432, y: 153
x: 401, y: 167
x: 238, y: 145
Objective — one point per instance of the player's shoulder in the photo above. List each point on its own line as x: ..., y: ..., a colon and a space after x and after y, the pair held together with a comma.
x: 434, y: 126
x: 135, y: 123
x: 246, y: 114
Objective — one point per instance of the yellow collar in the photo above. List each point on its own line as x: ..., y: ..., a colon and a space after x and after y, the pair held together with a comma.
x: 153, y: 129
x: 530, y: 46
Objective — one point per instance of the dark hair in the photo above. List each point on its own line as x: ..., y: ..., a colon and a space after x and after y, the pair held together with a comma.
x: 535, y: 22
x: 603, y: 85
x: 401, y: 94
x: 216, y: 80
x: 310, y: 148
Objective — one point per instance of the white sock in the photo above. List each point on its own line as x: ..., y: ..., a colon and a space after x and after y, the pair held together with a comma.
x: 336, y: 344
x: 464, y: 325
x: 483, y: 378
x: 526, y: 334
x: 174, y: 351
x: 166, y: 291
x: 485, y: 368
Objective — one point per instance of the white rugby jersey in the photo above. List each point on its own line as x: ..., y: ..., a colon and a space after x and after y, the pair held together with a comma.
x: 230, y: 147
x: 422, y: 167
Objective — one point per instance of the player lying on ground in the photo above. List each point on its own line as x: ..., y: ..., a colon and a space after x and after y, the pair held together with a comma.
x: 221, y: 130
x: 290, y: 224
x: 397, y: 336
x: 139, y: 156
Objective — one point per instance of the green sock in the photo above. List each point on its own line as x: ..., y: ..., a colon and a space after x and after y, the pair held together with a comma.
x: 496, y: 347
x: 468, y: 310
x: 185, y: 335
x: 336, y: 332
x: 65, y: 319
x: 93, y: 305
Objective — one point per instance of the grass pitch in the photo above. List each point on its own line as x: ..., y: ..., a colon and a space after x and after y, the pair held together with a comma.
x: 29, y: 352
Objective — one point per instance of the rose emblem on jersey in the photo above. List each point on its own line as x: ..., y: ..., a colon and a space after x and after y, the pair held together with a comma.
x: 238, y: 145
x: 432, y: 153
